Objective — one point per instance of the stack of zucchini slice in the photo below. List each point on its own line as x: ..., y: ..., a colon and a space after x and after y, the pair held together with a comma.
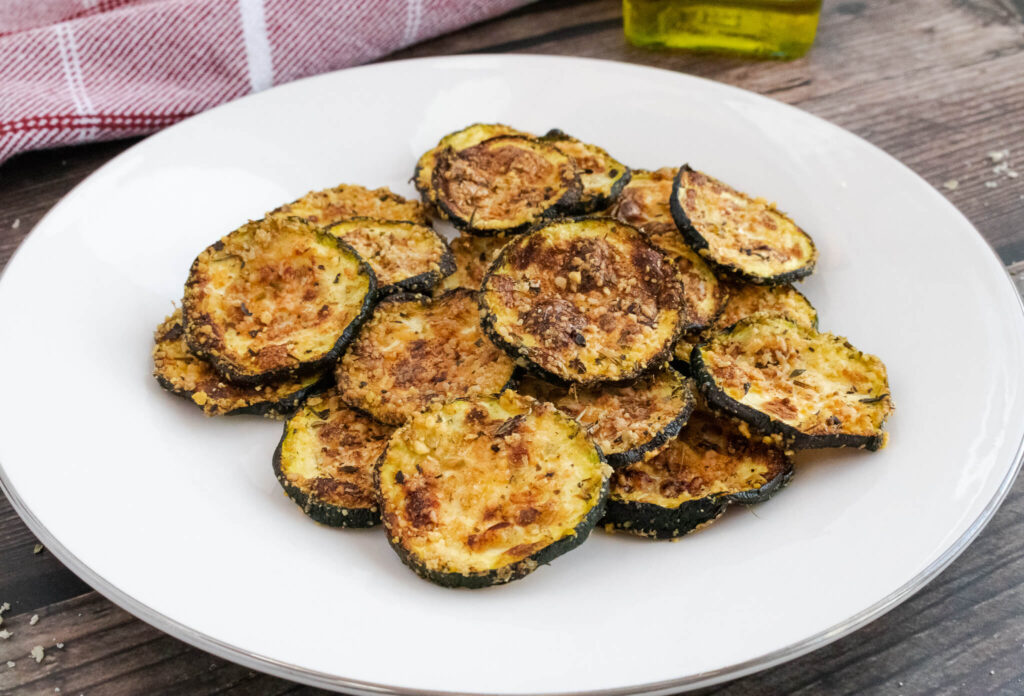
x: 598, y: 346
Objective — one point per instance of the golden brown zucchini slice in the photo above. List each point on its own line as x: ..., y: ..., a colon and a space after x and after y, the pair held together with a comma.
x: 184, y: 374
x: 504, y: 185
x: 325, y: 462
x: 478, y: 492
x: 459, y: 140
x: 473, y: 256
x: 403, y: 255
x: 747, y: 299
x: 348, y: 201
x: 584, y: 301
x: 602, y: 175
x: 629, y: 422
x: 415, y: 350
x: 813, y: 389
x: 644, y: 201
x: 739, y: 234
x: 275, y: 298
x: 689, y: 484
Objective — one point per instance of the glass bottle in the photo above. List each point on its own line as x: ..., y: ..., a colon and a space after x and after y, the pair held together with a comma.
x: 763, y: 28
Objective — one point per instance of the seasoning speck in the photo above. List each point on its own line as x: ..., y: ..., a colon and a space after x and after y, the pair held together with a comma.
x: 38, y: 548
x: 16, y: 224
x: 34, y: 620
x: 37, y: 653
x: 4, y: 607
x: 998, y: 155
x: 11, y: 663
x: 60, y: 645
x: 5, y: 634
x: 952, y: 184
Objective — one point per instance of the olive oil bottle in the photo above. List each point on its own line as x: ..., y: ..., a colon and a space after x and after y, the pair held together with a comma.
x: 763, y: 28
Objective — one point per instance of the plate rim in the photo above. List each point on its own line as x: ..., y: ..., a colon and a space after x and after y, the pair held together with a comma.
x: 334, y: 682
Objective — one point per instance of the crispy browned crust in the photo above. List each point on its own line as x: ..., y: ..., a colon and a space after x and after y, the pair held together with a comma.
x: 688, y: 485
x: 644, y: 201
x: 325, y: 462
x: 704, y: 296
x: 813, y: 389
x: 403, y: 255
x: 274, y: 299
x: 347, y: 201
x: 473, y: 255
x: 415, y: 350
x: 182, y: 373
x: 745, y: 300
x: 584, y: 301
x: 504, y: 185
x: 738, y: 234
x: 630, y: 421
x: 478, y: 492
x: 459, y: 140
x: 603, y: 177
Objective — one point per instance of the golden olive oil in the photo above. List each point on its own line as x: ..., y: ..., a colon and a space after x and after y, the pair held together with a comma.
x: 764, y: 28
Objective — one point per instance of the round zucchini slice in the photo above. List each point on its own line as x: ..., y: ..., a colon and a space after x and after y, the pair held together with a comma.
x: 416, y: 350
x: 504, y: 185
x: 403, y: 255
x: 629, y: 422
x: 275, y: 298
x: 584, y: 301
x: 814, y: 389
x: 478, y: 492
x: 347, y: 201
x: 184, y: 374
x: 325, y: 462
x: 459, y: 140
x: 689, y: 484
x: 473, y: 256
x: 643, y: 202
x: 739, y: 234
x: 747, y: 299
x: 602, y: 175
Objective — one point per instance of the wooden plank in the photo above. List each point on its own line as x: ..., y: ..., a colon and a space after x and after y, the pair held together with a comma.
x: 30, y: 580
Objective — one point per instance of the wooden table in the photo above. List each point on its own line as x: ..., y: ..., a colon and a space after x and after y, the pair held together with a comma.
x: 937, y: 83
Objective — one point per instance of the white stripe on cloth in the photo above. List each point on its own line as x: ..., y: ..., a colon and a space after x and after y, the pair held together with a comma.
x: 413, y: 18
x: 257, y: 44
x: 73, y: 76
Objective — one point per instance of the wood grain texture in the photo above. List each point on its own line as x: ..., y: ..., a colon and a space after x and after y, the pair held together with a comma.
x: 937, y: 83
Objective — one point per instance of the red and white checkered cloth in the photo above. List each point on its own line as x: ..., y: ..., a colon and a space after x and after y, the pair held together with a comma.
x: 75, y: 71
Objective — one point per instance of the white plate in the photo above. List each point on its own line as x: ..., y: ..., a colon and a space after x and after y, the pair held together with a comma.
x: 179, y: 519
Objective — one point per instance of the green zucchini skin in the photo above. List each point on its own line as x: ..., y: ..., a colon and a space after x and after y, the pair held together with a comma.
x: 514, y: 571
x: 569, y: 199
x: 319, y: 511
x: 193, y: 318
x: 656, y: 522
x: 270, y: 409
x: 589, y: 202
x: 716, y: 398
x: 699, y: 244
x: 759, y: 495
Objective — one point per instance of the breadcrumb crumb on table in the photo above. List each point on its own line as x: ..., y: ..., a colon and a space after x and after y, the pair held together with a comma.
x: 37, y: 653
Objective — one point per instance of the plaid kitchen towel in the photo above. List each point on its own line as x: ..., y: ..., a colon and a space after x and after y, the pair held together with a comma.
x: 75, y: 71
